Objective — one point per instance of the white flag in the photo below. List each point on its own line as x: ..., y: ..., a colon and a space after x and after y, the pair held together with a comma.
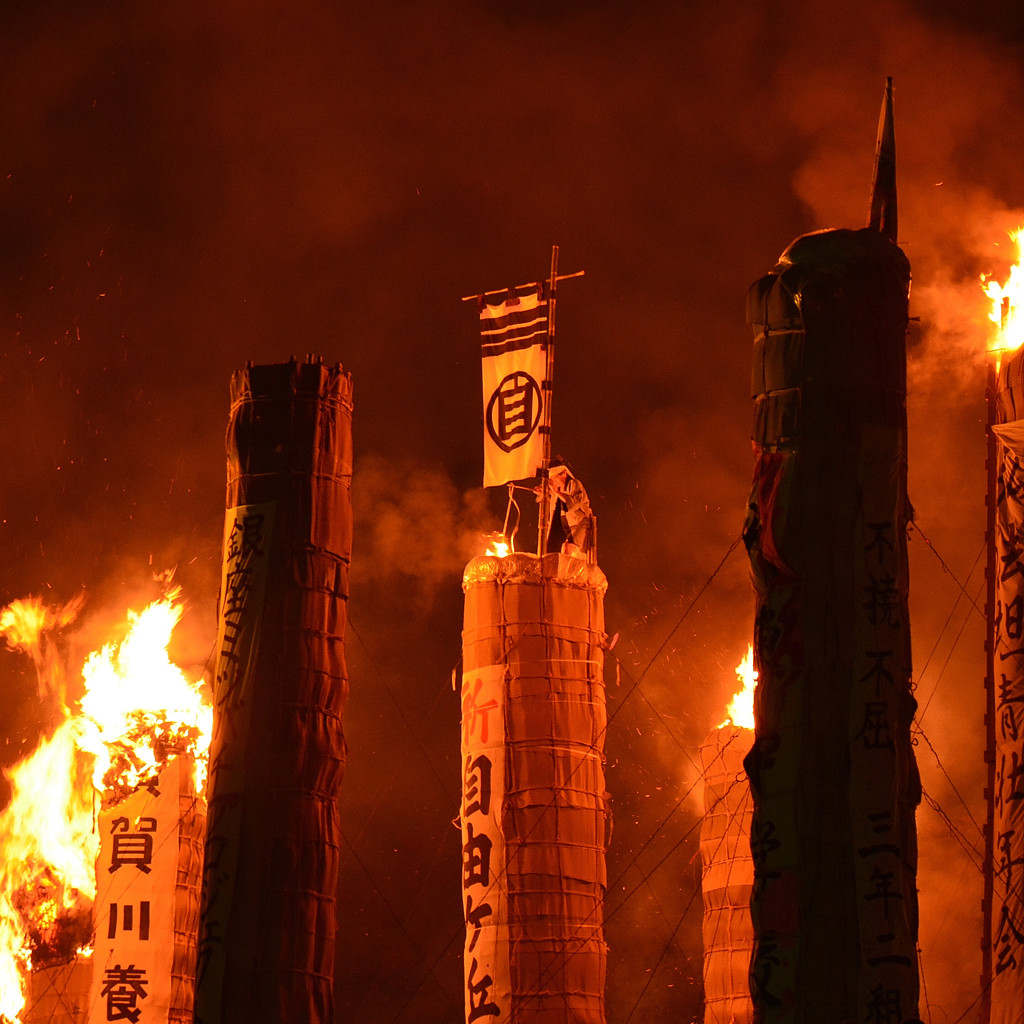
x: 515, y: 337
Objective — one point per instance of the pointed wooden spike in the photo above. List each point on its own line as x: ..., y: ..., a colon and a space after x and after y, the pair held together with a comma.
x: 882, y: 212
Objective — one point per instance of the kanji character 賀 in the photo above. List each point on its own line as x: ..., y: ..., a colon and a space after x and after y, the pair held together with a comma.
x: 132, y: 847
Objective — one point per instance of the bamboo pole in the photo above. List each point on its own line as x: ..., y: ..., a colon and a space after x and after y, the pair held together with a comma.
x: 532, y: 284
x: 544, y: 513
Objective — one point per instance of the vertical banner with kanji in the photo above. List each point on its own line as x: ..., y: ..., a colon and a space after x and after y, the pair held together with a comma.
x: 884, y: 784
x: 247, y: 535
x: 514, y: 335
x: 136, y: 873
x: 1007, y: 811
x: 484, y: 875
x: 247, y: 531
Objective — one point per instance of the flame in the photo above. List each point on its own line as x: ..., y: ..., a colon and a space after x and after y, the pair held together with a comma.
x: 1007, y: 311
x: 25, y: 626
x: 47, y: 873
x: 740, y: 710
x: 499, y: 547
x: 138, y: 711
x: 140, y: 707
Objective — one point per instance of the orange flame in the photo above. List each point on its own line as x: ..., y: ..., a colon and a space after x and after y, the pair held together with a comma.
x: 25, y: 625
x: 1007, y: 311
x: 140, y: 707
x: 740, y: 710
x: 138, y: 711
x: 499, y: 547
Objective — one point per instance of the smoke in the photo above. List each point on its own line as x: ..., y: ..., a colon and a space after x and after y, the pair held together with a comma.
x: 417, y: 531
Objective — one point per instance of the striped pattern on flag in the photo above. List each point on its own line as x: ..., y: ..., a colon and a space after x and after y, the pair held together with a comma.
x: 517, y: 322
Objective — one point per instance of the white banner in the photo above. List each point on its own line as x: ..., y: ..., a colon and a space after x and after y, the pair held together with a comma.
x: 136, y: 873
x: 514, y: 335
x: 248, y: 533
x: 484, y: 882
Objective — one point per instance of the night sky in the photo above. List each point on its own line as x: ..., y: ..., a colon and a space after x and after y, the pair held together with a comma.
x: 186, y: 187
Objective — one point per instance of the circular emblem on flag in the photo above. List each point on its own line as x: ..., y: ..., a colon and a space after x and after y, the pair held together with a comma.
x: 513, y: 411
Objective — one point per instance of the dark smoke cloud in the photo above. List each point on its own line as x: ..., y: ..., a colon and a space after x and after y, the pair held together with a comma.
x: 187, y: 187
